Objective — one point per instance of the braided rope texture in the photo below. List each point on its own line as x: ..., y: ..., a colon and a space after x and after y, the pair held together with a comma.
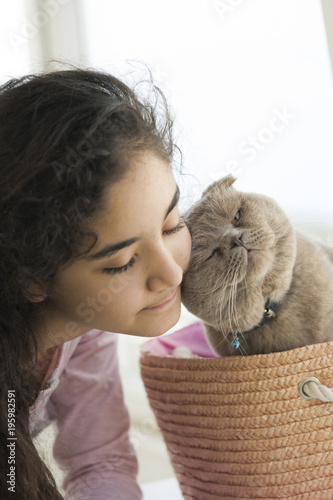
x: 235, y: 427
x: 313, y: 389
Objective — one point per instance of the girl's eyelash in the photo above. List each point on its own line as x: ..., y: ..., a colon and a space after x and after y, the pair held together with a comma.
x: 122, y: 269
x: 179, y: 226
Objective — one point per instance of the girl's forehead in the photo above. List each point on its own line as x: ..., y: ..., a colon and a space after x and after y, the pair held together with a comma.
x: 146, y: 190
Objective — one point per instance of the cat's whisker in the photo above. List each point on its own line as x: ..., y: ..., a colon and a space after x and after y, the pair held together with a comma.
x: 234, y: 303
x: 233, y: 294
x: 231, y: 304
x: 224, y: 338
x: 243, y: 350
x: 219, y: 311
x: 212, y: 291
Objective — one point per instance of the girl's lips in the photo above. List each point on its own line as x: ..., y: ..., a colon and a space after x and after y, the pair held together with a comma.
x: 164, y: 304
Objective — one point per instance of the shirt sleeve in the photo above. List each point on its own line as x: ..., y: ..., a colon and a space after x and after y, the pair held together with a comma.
x: 92, y: 446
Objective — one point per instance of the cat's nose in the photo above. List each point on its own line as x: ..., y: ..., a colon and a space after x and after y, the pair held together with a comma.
x: 236, y: 242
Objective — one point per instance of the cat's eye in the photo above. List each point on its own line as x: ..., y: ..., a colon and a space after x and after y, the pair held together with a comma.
x: 237, y: 216
x: 212, y: 254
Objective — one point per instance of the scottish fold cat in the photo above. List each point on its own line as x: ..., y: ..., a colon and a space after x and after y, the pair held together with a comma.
x: 258, y: 285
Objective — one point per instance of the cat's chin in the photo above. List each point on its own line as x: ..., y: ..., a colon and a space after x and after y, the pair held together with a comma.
x: 259, y: 264
x: 255, y: 260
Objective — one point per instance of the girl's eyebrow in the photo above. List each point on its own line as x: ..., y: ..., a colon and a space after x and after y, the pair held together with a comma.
x: 111, y: 249
x: 115, y: 247
x: 173, y: 203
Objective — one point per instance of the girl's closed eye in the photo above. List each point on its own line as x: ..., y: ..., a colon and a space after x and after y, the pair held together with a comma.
x: 121, y: 269
x: 175, y: 229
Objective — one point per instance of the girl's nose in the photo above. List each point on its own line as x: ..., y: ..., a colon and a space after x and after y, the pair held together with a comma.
x: 165, y: 272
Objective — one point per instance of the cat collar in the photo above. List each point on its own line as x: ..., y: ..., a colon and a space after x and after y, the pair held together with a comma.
x: 268, y: 314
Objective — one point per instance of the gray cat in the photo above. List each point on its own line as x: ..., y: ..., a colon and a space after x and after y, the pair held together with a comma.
x: 258, y: 285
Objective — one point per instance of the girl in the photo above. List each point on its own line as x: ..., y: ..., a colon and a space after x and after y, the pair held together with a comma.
x: 91, y: 242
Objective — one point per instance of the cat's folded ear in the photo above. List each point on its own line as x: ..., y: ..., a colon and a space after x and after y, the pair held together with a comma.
x: 223, y: 183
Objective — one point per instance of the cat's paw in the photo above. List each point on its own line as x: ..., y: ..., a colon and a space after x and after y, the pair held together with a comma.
x: 183, y: 352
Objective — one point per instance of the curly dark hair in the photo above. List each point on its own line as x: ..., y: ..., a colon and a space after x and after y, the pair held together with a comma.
x: 64, y: 137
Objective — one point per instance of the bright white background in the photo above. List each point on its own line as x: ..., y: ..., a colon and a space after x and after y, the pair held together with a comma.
x: 225, y: 72
x: 228, y: 69
x: 225, y: 66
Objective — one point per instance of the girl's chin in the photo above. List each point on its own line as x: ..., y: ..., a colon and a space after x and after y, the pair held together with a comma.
x: 161, y: 323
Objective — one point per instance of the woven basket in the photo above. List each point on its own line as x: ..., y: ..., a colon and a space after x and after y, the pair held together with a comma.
x: 235, y: 427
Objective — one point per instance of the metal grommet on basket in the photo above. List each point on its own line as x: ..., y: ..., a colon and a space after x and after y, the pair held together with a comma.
x: 301, y: 388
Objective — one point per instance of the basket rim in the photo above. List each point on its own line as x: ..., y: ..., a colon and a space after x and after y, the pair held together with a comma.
x: 288, y: 357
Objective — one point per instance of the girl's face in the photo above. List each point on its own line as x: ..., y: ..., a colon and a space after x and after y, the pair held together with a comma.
x: 130, y: 280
